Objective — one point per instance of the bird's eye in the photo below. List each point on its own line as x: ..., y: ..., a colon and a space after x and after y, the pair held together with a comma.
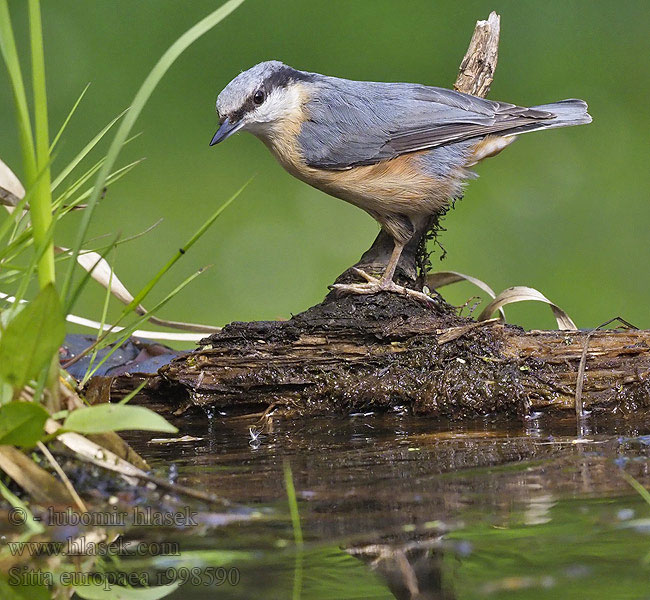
x: 258, y: 97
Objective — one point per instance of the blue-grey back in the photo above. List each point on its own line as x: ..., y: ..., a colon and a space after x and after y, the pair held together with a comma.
x: 354, y: 123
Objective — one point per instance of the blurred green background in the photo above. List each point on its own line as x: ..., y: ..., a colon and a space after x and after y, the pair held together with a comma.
x: 565, y: 211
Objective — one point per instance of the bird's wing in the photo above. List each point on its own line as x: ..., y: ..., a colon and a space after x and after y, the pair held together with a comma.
x: 352, y: 123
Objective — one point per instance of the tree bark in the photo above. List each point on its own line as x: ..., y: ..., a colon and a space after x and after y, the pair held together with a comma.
x: 385, y: 352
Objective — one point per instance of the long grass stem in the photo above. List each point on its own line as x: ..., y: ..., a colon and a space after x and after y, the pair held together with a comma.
x: 40, y: 208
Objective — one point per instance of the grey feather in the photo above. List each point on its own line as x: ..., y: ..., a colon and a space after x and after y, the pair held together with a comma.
x: 352, y: 123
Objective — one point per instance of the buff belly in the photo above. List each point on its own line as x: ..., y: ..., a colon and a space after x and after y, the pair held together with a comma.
x: 413, y: 185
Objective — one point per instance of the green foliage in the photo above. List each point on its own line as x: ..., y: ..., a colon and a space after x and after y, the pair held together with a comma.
x: 11, y: 591
x: 32, y: 525
x: 31, y: 338
x: 10, y: 56
x: 642, y: 491
x: 115, y: 417
x: 103, y: 592
x: 40, y: 208
x: 21, y: 423
x: 141, y: 98
x: 293, y: 503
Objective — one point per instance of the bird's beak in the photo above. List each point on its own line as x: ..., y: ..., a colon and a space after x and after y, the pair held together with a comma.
x: 226, y: 130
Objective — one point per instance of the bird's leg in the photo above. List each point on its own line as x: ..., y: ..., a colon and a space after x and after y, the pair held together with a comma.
x: 389, y: 273
x: 385, y: 284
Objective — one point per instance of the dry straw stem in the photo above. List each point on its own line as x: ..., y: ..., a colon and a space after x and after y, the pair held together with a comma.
x: 510, y: 295
x: 443, y: 278
x: 38, y: 483
x: 64, y: 478
x: 88, y: 450
x: 521, y: 293
x: 582, y: 367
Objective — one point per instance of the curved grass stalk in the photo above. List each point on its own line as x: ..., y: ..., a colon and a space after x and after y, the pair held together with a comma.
x: 139, y: 101
x: 10, y: 56
x: 141, y: 333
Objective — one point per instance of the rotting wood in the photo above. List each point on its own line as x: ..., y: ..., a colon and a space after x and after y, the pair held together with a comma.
x: 382, y: 352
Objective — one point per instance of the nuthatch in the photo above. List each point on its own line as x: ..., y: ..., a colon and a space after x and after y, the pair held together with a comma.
x: 399, y: 151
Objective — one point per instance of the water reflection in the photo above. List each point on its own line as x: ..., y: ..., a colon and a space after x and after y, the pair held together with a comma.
x: 433, y: 510
x: 398, y: 507
x: 411, y: 570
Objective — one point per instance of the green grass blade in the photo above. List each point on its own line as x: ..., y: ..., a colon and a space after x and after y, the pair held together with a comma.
x: 297, y: 530
x: 112, y: 178
x: 102, y: 321
x: 82, y: 179
x: 23, y: 239
x: 87, y: 274
x: 140, y: 296
x: 293, y: 503
x: 124, y: 335
x: 67, y: 119
x: 37, y: 257
x: 10, y: 56
x: 645, y: 494
x: 139, y: 101
x: 15, y: 216
x: 84, y: 152
x: 40, y: 208
x: 75, y: 185
x: 133, y: 393
x: 18, y: 244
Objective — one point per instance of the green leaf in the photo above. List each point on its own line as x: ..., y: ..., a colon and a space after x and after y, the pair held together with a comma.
x: 12, y: 588
x: 32, y: 338
x: 115, y: 417
x: 101, y: 591
x: 34, y: 526
x: 21, y: 423
x: 6, y: 392
x: 67, y: 119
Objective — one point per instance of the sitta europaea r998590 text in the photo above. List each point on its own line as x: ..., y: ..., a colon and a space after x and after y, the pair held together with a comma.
x: 399, y: 151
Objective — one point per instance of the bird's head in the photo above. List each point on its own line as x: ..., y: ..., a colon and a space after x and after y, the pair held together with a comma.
x: 260, y: 99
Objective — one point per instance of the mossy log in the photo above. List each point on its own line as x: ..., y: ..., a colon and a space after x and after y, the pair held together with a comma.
x: 381, y: 352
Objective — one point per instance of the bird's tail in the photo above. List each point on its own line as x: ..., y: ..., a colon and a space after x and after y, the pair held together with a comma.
x: 567, y: 113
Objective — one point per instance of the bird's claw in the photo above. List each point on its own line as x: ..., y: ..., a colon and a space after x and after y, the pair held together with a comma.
x: 361, y: 273
x: 374, y: 285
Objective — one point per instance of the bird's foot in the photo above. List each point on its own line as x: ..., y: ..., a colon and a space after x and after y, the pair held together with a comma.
x: 374, y: 285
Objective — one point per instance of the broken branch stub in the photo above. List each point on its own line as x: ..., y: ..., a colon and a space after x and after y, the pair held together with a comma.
x: 477, y: 68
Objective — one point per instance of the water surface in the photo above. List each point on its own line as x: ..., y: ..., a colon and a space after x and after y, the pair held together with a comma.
x: 403, y: 507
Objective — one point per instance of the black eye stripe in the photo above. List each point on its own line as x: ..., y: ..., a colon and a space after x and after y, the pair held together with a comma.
x: 281, y: 78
